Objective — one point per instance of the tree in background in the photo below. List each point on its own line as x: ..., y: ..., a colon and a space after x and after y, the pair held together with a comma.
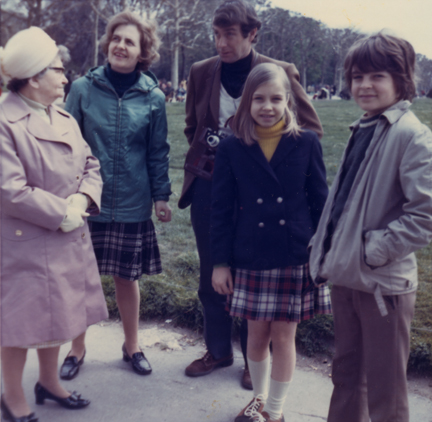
x: 341, y: 40
x: 309, y: 47
x: 180, y: 21
x: 277, y: 34
x: 424, y: 74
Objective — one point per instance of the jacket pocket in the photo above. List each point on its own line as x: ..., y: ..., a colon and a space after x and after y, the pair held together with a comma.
x: 23, y: 251
x: 398, y: 276
x: 373, y: 255
x: 19, y: 230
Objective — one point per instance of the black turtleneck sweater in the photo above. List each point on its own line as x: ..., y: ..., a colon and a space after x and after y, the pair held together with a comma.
x: 234, y: 75
x: 121, y: 81
x: 355, y: 154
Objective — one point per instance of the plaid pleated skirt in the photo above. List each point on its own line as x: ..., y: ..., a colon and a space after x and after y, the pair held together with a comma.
x: 281, y: 294
x: 126, y: 250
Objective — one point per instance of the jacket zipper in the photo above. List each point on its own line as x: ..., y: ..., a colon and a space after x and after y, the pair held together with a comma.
x: 117, y: 140
x: 116, y: 153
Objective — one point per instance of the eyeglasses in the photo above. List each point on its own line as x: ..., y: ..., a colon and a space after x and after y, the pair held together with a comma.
x: 59, y: 70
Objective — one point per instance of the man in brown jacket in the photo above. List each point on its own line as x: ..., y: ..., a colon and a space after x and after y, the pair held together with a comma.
x: 214, y: 92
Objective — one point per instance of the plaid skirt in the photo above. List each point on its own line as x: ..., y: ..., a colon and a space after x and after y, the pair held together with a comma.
x: 126, y: 250
x: 281, y: 294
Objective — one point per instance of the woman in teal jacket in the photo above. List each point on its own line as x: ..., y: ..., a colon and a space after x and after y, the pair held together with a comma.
x: 121, y: 113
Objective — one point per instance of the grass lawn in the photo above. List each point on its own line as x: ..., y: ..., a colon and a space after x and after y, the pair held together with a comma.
x: 173, y: 294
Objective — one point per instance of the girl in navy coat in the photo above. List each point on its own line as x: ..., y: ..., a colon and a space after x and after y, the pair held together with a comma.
x: 268, y: 193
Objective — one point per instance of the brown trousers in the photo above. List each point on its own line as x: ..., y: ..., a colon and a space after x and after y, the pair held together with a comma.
x: 369, y: 367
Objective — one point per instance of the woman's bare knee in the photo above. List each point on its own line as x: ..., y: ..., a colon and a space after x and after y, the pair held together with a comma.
x: 123, y: 283
x: 282, y: 332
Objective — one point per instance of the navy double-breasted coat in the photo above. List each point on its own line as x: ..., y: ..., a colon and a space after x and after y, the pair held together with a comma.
x: 264, y: 213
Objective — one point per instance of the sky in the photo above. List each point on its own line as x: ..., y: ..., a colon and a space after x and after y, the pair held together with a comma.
x: 409, y: 19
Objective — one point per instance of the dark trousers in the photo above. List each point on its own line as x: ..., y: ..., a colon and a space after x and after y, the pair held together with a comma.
x: 370, y: 362
x: 217, y: 321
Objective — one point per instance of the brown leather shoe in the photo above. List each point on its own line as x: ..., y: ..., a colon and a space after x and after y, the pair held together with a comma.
x: 246, y: 381
x: 207, y: 364
x: 251, y: 411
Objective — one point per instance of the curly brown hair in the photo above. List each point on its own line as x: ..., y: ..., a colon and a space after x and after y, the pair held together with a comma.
x: 149, y: 40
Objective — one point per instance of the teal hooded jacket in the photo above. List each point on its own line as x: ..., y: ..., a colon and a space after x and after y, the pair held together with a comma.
x: 129, y: 137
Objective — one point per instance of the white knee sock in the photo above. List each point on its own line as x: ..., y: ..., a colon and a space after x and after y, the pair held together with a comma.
x: 276, y: 398
x: 260, y: 374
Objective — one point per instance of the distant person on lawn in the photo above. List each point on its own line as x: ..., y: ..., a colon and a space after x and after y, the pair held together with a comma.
x: 121, y: 113
x: 215, y: 87
x: 377, y: 214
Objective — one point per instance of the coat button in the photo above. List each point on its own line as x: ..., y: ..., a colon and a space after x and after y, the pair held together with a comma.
x: 261, y: 225
x: 18, y: 233
x: 260, y: 201
x: 77, y: 177
x: 282, y: 222
x: 279, y: 200
x: 83, y: 235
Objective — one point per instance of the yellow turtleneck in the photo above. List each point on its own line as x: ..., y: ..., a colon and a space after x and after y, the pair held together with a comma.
x: 269, y: 137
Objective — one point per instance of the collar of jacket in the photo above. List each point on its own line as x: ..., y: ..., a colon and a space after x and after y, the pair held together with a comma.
x: 16, y: 109
x: 286, y: 144
x: 392, y: 114
x: 146, y: 82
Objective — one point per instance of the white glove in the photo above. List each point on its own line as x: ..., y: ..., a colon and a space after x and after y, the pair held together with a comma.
x: 78, y: 200
x: 73, y: 219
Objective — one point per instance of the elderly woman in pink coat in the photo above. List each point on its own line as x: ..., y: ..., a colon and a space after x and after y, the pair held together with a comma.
x: 50, y: 183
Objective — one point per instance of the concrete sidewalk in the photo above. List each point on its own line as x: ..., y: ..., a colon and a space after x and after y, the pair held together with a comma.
x: 119, y: 395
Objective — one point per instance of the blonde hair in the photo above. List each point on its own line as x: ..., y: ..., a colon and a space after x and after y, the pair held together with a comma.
x: 243, y: 124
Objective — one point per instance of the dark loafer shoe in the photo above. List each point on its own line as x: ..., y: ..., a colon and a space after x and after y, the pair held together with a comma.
x: 70, y: 368
x: 74, y: 401
x: 8, y: 416
x: 207, y: 364
x: 139, y: 362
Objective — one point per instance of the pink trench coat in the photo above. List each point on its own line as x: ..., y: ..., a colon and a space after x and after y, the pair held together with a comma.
x: 50, y: 284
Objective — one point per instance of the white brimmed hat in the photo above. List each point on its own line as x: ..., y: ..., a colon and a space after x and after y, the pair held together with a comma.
x: 27, y: 53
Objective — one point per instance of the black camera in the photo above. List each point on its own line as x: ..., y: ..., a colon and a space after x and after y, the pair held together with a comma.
x: 212, y: 138
x: 204, y: 153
